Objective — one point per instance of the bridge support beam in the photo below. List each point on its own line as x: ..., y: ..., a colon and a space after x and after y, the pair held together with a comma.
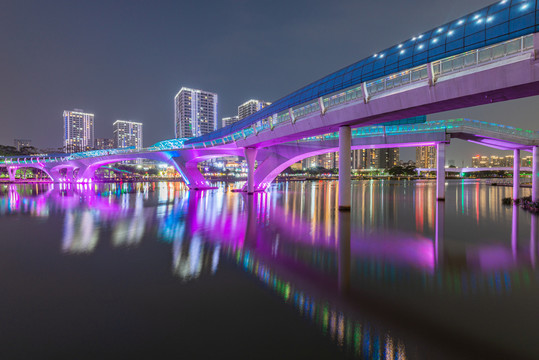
x: 516, y: 173
x: 345, y: 153
x: 250, y: 156
x: 440, y: 171
x: 535, y: 174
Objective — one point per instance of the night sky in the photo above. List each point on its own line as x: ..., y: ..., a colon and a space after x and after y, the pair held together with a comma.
x: 127, y: 59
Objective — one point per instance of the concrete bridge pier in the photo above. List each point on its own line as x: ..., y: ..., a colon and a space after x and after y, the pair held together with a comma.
x: 535, y: 174
x: 439, y: 234
x: 516, y: 173
x: 69, y: 175
x: 250, y: 157
x: 344, y: 251
x: 533, y: 239
x: 514, y: 232
x: 345, y: 154
x: 191, y: 174
x: 11, y: 171
x: 440, y: 171
x: 54, y: 174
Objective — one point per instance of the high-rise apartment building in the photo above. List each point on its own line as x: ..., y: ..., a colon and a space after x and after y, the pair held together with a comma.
x: 21, y: 143
x: 499, y: 161
x: 376, y: 158
x: 78, y: 131
x: 482, y: 161
x: 104, y: 143
x: 229, y: 120
x: 425, y: 157
x: 250, y: 107
x: 195, y: 112
x: 127, y: 134
x: 361, y: 159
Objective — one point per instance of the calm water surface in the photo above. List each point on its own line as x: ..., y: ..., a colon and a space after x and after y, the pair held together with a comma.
x: 153, y: 270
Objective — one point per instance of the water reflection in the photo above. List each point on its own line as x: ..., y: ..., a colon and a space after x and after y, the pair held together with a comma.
x: 313, y: 257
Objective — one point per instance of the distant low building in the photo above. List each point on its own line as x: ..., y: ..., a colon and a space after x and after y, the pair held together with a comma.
x: 249, y: 107
x: 21, y: 143
x: 229, y: 120
x: 104, y: 143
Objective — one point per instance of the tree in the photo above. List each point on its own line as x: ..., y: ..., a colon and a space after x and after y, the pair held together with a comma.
x: 397, y: 170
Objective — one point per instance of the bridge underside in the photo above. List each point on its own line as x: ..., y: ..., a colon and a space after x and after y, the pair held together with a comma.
x: 272, y: 163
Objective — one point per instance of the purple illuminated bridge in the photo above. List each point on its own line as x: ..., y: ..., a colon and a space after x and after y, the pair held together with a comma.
x: 362, y: 116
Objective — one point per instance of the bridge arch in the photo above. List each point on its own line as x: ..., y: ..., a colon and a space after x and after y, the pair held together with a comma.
x: 275, y: 162
x: 12, y: 170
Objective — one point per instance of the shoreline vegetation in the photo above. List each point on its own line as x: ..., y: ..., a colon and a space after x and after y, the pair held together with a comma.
x: 491, y: 181
x: 525, y: 203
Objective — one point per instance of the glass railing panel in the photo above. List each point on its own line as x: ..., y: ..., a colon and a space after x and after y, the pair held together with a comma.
x: 470, y: 59
x: 416, y: 75
x: 498, y: 51
x: 405, y: 78
x: 528, y: 42
x: 513, y: 46
x: 484, y: 55
x: 458, y: 63
x: 447, y: 66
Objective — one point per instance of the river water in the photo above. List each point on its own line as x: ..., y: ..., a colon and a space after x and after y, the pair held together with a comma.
x: 153, y: 270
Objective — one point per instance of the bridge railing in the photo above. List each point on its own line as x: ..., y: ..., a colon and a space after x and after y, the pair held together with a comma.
x: 396, y: 80
x: 482, y: 56
x: 451, y: 125
x: 456, y: 124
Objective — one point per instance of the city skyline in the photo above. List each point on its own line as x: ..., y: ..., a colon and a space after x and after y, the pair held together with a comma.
x: 114, y: 90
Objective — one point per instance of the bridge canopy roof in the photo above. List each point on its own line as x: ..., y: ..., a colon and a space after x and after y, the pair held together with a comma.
x: 501, y: 21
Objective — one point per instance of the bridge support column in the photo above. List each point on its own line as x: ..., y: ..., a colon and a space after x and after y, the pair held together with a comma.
x: 516, y: 174
x: 191, y: 175
x: 533, y: 239
x: 344, y: 261
x: 535, y: 174
x: 69, y: 174
x: 54, y: 174
x: 250, y: 156
x: 345, y: 153
x: 440, y: 171
x: 11, y: 171
x: 439, y: 234
x: 514, y: 232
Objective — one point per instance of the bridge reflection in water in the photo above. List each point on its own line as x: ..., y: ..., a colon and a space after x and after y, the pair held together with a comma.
x: 329, y: 265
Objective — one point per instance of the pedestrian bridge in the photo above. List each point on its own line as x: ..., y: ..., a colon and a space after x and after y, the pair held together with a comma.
x: 272, y: 161
x: 487, y: 56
